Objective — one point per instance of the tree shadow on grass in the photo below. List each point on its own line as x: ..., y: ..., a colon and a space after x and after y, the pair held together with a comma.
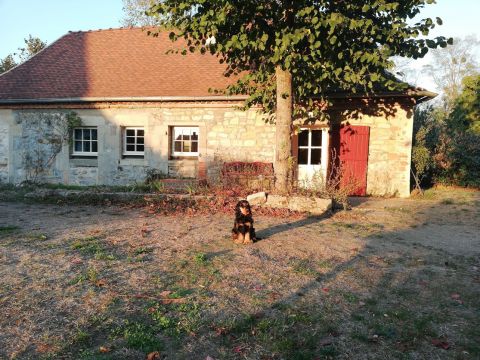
x: 340, y: 313
x: 264, y: 234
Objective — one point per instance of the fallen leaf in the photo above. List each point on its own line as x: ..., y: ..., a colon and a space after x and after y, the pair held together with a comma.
x: 100, y: 283
x: 76, y: 261
x: 440, y: 344
x: 153, y: 355
x: 44, y: 348
x: 326, y: 341
x: 104, y: 349
x: 456, y: 298
x: 173, y: 301
x: 325, y: 290
x: 239, y: 349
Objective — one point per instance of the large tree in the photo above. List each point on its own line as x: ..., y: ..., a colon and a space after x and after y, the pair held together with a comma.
x: 290, y: 53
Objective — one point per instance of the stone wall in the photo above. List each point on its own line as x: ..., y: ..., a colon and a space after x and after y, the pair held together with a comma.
x: 225, y: 134
x: 4, y: 143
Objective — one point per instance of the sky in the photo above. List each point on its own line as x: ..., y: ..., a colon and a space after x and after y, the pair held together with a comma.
x: 50, y: 19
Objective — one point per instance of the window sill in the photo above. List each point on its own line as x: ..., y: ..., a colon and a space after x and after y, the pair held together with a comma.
x: 132, y: 160
x: 84, y: 161
x: 192, y: 158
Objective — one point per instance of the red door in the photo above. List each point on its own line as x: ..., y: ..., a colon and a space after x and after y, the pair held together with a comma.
x: 353, y: 157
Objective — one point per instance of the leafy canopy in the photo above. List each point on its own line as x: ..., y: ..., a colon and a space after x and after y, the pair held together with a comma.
x: 465, y: 116
x: 327, y: 45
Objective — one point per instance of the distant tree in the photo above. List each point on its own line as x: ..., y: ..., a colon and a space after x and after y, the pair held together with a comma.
x: 290, y: 53
x: 404, y: 69
x: 446, y: 145
x: 32, y: 46
x: 450, y: 65
x: 7, y: 63
x: 465, y: 115
x: 135, y: 13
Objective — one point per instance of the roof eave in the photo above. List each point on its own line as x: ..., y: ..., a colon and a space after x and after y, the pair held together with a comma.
x: 419, y: 94
x: 122, y: 99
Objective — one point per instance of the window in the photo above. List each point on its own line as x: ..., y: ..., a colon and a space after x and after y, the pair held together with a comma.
x: 185, y: 141
x: 133, y: 141
x: 310, y: 147
x: 85, y: 141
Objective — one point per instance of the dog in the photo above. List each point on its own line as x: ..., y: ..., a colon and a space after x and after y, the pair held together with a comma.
x: 243, y: 231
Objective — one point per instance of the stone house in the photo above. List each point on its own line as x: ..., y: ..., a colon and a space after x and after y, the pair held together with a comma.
x: 142, y: 109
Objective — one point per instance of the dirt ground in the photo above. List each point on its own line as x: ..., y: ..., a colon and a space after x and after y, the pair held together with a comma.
x: 392, y: 278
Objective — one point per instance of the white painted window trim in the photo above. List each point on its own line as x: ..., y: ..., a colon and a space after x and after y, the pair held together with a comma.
x: 124, y: 137
x: 185, y: 153
x: 324, y: 147
x: 85, y: 153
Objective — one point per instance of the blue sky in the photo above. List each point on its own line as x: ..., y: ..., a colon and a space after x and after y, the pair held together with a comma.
x: 50, y: 19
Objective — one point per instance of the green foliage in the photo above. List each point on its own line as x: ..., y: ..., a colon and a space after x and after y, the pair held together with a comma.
x: 138, y: 336
x: 426, y: 132
x: 32, y: 46
x: 465, y: 115
x: 7, y: 63
x: 8, y: 229
x: 446, y: 146
x: 324, y: 44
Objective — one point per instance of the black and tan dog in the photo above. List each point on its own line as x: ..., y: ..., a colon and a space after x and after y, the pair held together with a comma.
x: 243, y: 231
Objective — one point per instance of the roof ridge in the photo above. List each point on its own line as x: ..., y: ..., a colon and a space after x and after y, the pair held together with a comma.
x: 113, y: 29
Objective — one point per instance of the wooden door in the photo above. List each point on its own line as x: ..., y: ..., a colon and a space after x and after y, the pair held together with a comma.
x: 353, y: 156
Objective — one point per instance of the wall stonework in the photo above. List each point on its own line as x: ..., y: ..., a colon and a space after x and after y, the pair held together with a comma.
x: 4, y: 143
x: 225, y: 134
x: 390, y: 151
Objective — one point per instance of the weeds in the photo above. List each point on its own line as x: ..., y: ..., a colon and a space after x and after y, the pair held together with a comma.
x: 304, y: 267
x: 200, y: 258
x: 139, y: 336
x: 93, y: 246
x: 8, y: 229
x: 90, y: 275
x: 143, y: 250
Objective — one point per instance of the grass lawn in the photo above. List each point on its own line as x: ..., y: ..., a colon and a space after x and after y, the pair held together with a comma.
x: 392, y: 278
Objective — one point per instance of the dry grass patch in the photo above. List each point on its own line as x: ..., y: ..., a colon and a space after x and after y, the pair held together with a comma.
x: 111, y: 283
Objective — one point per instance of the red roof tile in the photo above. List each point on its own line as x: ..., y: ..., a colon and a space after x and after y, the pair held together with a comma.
x: 112, y: 63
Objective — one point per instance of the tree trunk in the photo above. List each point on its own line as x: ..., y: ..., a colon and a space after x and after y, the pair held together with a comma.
x: 283, y: 140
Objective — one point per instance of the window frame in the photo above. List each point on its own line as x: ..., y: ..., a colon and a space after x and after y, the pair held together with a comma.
x: 126, y: 152
x: 309, y: 147
x: 185, y: 153
x: 85, y: 153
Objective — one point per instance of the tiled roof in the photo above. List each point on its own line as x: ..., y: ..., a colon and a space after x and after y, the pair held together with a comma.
x: 114, y: 63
